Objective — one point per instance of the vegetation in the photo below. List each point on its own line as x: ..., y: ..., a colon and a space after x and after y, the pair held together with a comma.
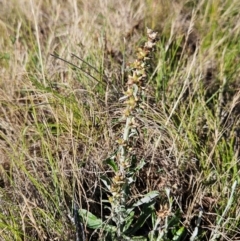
x: 119, y: 120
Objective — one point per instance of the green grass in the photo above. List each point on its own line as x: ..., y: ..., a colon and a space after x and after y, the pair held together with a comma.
x: 59, y: 125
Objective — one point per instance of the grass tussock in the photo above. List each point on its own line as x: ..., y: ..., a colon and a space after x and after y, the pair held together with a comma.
x: 103, y: 138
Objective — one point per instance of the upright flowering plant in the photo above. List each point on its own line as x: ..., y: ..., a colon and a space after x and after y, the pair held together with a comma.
x: 122, y: 225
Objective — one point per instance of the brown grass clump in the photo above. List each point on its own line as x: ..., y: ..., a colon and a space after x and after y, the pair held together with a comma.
x: 61, y: 124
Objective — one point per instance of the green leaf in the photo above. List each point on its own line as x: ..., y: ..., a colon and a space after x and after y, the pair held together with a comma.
x: 95, y: 223
x: 139, y: 238
x: 91, y: 220
x: 147, y: 198
x: 179, y: 234
x: 112, y: 164
x: 106, y: 181
x: 174, y: 221
x: 110, y: 228
x: 128, y: 221
x: 136, y: 166
x: 145, y: 214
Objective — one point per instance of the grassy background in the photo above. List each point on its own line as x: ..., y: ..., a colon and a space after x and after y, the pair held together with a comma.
x: 58, y: 124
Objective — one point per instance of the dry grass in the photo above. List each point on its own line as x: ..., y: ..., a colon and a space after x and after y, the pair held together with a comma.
x: 58, y: 124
